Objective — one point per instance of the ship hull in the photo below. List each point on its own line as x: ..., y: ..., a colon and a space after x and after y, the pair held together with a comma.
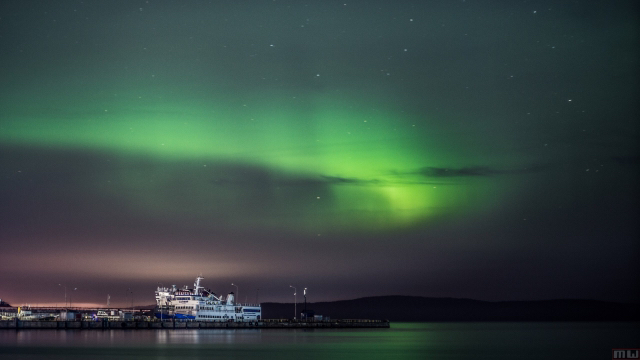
x: 163, y: 316
x: 184, y: 317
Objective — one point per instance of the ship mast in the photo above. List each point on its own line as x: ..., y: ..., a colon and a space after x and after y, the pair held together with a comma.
x: 196, y: 285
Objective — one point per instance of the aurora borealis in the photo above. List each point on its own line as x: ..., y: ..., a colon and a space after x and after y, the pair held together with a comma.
x: 463, y: 149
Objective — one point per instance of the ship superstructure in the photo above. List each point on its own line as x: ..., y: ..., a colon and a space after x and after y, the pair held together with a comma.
x: 202, y: 305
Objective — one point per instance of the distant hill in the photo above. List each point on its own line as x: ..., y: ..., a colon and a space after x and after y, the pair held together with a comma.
x: 4, y: 304
x: 415, y: 308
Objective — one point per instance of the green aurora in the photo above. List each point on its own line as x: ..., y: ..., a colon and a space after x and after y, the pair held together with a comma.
x: 365, y: 157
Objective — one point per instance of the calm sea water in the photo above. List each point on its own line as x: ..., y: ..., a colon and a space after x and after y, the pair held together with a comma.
x: 401, y: 341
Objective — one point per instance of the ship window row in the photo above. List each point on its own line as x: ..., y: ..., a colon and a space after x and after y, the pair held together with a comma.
x: 210, y: 316
x: 184, y: 307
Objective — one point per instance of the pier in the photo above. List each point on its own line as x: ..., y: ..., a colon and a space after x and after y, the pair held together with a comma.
x: 191, y: 324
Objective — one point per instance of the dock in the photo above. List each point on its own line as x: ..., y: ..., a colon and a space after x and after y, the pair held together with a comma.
x: 191, y: 324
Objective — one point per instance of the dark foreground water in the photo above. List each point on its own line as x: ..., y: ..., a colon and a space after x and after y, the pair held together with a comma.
x: 402, y: 341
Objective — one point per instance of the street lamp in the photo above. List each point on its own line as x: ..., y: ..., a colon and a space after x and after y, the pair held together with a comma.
x: 295, y: 303
x: 65, y: 294
x: 132, y: 311
x: 237, y: 292
x: 74, y: 289
x: 305, y: 303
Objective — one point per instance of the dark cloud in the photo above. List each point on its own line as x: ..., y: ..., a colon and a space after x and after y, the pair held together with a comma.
x: 229, y: 174
x: 50, y: 183
x: 341, y: 180
x: 479, y: 171
x: 51, y: 192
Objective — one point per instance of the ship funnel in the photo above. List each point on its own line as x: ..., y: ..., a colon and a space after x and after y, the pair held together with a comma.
x: 230, y: 298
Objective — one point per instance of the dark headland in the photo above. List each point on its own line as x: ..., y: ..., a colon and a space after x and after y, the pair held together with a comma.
x: 415, y: 308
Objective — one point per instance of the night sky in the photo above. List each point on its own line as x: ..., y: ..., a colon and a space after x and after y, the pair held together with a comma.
x: 478, y: 149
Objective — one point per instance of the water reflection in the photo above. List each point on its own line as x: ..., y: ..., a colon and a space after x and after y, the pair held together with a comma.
x: 129, y: 337
x: 402, y: 341
x: 209, y: 336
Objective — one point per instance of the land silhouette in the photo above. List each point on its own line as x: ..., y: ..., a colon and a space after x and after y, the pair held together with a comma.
x: 416, y: 308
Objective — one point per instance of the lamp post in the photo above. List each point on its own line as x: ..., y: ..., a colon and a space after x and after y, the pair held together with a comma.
x: 295, y: 302
x: 65, y: 294
x: 74, y: 289
x: 237, y: 291
x: 305, y: 303
x: 131, y: 292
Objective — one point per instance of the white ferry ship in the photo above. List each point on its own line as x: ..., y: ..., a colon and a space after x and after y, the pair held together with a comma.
x: 202, y: 305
